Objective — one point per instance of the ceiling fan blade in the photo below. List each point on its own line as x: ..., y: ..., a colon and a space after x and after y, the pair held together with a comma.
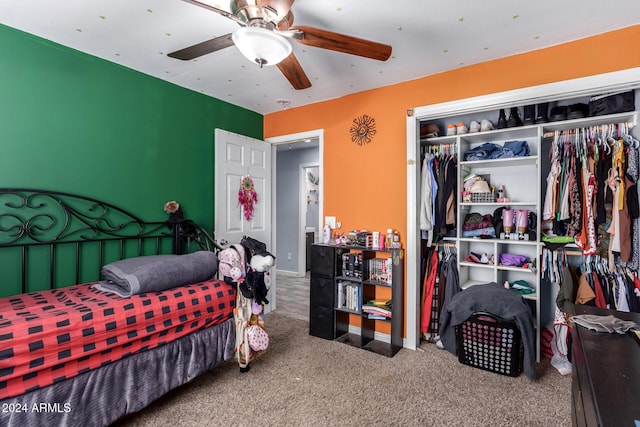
x: 293, y: 71
x: 203, y: 48
x: 216, y: 10
x: 342, y: 43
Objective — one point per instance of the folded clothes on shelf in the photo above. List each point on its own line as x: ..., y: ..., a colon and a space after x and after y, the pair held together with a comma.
x: 512, y: 259
x: 486, y: 151
x: 474, y: 221
x: 520, y: 286
x: 488, y: 232
x: 514, y: 149
x: 489, y: 150
x: 479, y: 258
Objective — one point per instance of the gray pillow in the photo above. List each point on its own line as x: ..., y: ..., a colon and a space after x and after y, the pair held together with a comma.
x: 156, y: 273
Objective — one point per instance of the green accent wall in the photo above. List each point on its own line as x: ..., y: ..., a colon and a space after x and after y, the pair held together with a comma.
x: 76, y: 123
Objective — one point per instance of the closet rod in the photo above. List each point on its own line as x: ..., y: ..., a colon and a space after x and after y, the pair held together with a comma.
x: 444, y: 245
x: 568, y: 253
x: 573, y: 253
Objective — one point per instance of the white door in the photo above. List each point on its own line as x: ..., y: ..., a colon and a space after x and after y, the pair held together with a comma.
x: 237, y: 157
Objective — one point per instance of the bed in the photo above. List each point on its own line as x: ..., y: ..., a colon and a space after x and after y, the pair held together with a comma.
x: 76, y: 354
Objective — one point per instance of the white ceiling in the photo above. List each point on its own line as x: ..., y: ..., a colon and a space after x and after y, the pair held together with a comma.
x: 427, y: 37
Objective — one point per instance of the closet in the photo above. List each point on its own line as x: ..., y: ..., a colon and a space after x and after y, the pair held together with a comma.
x: 480, y: 258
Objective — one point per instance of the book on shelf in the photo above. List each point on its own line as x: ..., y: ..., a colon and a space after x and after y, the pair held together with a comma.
x: 376, y: 310
x: 378, y: 307
x: 380, y: 270
x: 379, y: 302
x: 349, y: 295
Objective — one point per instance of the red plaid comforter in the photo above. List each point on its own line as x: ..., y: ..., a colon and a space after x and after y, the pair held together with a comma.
x: 50, y: 336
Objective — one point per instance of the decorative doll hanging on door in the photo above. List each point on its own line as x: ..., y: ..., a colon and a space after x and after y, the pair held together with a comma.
x: 247, y: 197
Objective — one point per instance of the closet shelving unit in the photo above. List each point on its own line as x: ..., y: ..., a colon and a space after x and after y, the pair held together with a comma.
x: 525, y: 186
x: 520, y: 177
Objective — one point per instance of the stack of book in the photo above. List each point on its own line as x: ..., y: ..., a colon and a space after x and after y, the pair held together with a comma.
x: 349, y: 295
x: 377, y: 309
x: 380, y: 270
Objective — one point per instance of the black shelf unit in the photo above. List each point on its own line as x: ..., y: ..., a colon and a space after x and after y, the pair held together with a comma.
x: 326, y: 266
x: 322, y: 294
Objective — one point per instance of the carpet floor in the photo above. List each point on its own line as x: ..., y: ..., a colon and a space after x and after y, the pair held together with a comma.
x: 308, y: 381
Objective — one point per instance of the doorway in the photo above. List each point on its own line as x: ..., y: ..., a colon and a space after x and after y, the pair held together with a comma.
x: 293, y: 158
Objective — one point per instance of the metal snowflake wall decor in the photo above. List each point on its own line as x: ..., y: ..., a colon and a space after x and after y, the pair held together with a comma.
x: 363, y: 129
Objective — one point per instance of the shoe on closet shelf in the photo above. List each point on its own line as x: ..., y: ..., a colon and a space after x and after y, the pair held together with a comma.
x: 462, y: 128
x: 451, y: 129
x: 486, y: 125
x: 514, y: 118
x: 474, y: 127
x: 474, y: 257
x: 484, y: 259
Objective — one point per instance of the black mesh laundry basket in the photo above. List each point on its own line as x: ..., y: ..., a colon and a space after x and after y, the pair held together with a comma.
x: 488, y: 342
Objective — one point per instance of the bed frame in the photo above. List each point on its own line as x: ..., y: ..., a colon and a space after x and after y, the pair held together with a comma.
x: 62, y: 239
x: 66, y: 233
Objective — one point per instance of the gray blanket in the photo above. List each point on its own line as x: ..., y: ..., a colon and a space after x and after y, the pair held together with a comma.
x: 495, y: 299
x: 156, y: 273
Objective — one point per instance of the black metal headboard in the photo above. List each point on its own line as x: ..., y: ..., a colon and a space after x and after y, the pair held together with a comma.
x: 52, y: 239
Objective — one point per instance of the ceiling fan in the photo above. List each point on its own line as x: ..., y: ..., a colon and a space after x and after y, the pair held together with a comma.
x: 264, y: 34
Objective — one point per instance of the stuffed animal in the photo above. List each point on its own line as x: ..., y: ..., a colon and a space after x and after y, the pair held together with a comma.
x: 231, y: 262
x: 261, y: 263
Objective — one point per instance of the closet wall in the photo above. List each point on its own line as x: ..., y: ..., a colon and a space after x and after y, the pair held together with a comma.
x: 565, y: 146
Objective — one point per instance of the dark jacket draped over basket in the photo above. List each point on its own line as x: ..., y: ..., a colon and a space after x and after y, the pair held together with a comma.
x: 495, y: 299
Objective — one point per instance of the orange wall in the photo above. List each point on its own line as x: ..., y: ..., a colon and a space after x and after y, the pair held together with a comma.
x: 365, y: 186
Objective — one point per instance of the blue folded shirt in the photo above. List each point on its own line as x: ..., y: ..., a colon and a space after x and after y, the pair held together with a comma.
x: 489, y: 150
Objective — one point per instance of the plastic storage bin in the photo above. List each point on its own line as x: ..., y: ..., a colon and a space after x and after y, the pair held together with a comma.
x: 488, y: 342
x: 483, y: 197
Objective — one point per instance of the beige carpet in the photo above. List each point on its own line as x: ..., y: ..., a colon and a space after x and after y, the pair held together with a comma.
x: 308, y: 381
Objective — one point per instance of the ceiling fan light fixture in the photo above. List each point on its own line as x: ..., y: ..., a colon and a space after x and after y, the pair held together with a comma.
x: 261, y: 46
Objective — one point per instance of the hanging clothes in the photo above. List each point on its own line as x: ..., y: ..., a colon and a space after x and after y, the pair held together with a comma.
x: 585, y: 293
x: 438, y: 182
x: 633, y: 173
x: 427, y: 292
x: 592, y: 192
x: 427, y: 186
x: 440, y: 278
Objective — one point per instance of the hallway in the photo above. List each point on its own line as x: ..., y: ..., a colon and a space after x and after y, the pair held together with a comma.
x: 293, y: 296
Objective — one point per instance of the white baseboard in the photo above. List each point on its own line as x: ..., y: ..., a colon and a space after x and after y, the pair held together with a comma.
x: 288, y: 273
x: 379, y: 336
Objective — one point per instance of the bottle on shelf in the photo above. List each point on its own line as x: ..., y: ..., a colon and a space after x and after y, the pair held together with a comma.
x: 326, y: 234
x: 375, y: 240
x: 395, y: 244
x: 389, y: 240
